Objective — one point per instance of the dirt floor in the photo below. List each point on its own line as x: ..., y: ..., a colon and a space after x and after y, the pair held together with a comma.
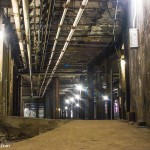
x: 89, y: 135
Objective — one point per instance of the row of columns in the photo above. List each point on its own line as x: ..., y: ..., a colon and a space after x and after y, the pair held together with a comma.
x: 92, y: 106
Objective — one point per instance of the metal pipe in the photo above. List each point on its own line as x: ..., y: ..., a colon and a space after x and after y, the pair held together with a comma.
x: 55, y: 42
x: 15, y: 7
x: 77, y: 19
x: 25, y: 4
x: 45, y: 37
x: 36, y: 57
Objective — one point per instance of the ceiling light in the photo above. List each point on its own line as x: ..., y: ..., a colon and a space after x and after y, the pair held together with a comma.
x: 79, y: 87
x: 66, y: 108
x: 77, y: 96
x: 72, y: 99
x: 67, y: 101
x: 77, y: 105
x: 105, y: 98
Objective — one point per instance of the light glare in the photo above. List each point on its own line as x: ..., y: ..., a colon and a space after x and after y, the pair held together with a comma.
x: 72, y: 99
x: 66, y: 108
x: 77, y: 96
x: 67, y: 101
x: 105, y: 97
x: 123, y: 63
x: 77, y: 105
x: 79, y: 87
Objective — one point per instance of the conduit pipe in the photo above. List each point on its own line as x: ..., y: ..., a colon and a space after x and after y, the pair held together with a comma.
x: 25, y: 4
x: 55, y: 42
x: 15, y: 7
x: 77, y: 19
x: 49, y: 10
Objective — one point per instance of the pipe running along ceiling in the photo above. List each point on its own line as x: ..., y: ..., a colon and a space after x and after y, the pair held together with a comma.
x: 60, y: 38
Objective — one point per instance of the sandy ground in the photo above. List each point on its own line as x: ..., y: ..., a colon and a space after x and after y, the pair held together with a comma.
x: 89, y: 135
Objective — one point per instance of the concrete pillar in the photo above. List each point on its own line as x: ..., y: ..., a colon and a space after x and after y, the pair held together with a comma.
x: 47, y: 105
x: 86, y: 104
x: 57, y: 99
x: 82, y: 100
x: 111, y: 94
x: 52, y: 100
x: 82, y: 105
x: 21, y: 100
x: 97, y: 105
x: 101, y: 92
x: 37, y: 108
x: 97, y: 94
x: 91, y: 92
x: 2, y: 103
x: 10, y: 84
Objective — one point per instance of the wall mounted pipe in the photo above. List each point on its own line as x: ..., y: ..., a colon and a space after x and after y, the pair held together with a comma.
x: 25, y: 4
x: 55, y: 42
x: 77, y: 19
x: 15, y: 7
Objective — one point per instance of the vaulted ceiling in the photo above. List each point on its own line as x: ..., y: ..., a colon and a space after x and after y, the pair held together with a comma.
x: 93, y: 35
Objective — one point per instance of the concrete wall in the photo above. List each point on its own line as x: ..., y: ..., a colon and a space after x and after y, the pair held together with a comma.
x: 29, y: 126
x: 139, y: 61
x: 6, y: 78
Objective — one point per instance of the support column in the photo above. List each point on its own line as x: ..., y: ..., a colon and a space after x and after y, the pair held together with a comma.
x: 37, y: 108
x: 86, y: 105
x: 10, y: 84
x: 57, y: 100
x: 82, y: 100
x: 111, y: 94
x: 2, y: 106
x: 101, y: 93
x: 21, y: 100
x: 47, y: 105
x: 98, y: 109
x: 52, y: 100
x: 91, y: 92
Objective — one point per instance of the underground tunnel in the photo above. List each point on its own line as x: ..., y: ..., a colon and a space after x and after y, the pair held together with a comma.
x: 74, y: 64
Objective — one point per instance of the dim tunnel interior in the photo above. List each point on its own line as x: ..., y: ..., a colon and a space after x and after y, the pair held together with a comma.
x: 75, y: 60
